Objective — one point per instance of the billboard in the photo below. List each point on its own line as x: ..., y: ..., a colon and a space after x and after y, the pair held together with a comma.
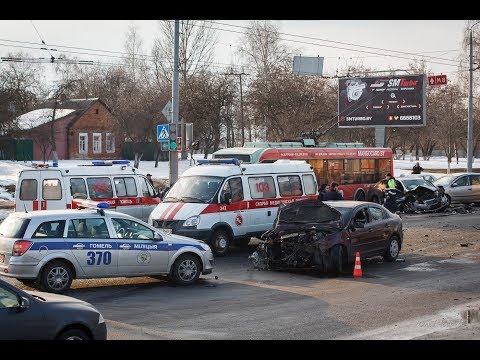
x: 382, y: 101
x: 307, y: 65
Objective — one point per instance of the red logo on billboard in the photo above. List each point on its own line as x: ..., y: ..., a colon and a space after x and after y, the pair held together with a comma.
x: 437, y: 80
x: 342, y: 118
x: 390, y: 118
x: 238, y: 220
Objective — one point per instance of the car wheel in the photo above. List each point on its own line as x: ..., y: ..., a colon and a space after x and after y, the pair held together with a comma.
x: 186, y: 269
x: 393, y: 249
x: 359, y: 195
x: 220, y: 242
x: 336, y: 259
x: 56, y: 277
x: 375, y: 199
x: 73, y: 334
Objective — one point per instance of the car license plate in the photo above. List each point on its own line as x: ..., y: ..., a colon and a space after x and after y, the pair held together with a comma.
x: 168, y: 231
x: 2, y: 258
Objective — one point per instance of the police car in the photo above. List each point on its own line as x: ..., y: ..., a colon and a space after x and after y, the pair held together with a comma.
x: 51, y: 248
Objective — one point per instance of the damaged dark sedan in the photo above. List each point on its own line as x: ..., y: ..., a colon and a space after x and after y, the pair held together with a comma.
x: 413, y: 194
x: 326, y: 235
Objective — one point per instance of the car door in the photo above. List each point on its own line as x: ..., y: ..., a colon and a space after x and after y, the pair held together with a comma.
x: 460, y: 190
x: 52, y: 191
x: 27, y: 193
x: 378, y: 228
x: 26, y: 324
x: 128, y: 199
x: 140, y: 252
x: 262, y: 209
x: 361, y: 236
x: 234, y: 213
x: 92, y: 245
x: 149, y: 198
x: 475, y: 184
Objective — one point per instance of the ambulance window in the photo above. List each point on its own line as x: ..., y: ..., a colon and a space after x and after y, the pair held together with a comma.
x: 262, y: 187
x: 289, y: 185
x: 235, y: 188
x: 78, y: 189
x: 125, y: 186
x: 28, y: 189
x: 310, y: 184
x: 99, y: 187
x: 52, y: 189
x: 147, y: 189
x: 50, y: 229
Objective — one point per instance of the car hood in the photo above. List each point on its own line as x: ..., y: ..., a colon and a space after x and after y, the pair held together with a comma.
x: 421, y: 188
x: 56, y: 298
x: 314, y: 212
x: 185, y: 239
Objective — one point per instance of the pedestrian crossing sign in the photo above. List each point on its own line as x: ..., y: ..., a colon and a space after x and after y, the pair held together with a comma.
x: 163, y: 133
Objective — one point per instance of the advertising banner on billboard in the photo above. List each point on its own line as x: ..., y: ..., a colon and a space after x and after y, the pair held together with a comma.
x: 382, y: 101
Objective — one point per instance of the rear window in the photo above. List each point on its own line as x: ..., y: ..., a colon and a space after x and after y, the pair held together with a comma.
x: 52, y: 189
x: 28, y: 189
x: 13, y: 227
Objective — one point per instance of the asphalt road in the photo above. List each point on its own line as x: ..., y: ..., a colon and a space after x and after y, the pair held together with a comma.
x: 424, y: 297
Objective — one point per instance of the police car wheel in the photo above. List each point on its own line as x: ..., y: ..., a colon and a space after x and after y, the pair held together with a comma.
x: 186, y: 269
x: 73, y: 334
x: 56, y: 277
x: 220, y: 242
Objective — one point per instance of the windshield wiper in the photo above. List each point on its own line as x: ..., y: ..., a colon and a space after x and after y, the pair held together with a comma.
x: 193, y: 198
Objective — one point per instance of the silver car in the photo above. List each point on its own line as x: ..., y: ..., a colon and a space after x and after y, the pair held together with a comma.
x: 51, y: 248
x: 461, y: 188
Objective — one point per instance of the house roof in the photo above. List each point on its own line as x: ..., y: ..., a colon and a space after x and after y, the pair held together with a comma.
x: 77, y: 104
x: 39, y: 117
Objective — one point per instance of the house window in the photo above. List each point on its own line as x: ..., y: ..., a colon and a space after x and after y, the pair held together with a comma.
x: 83, y: 143
x: 96, y: 111
x: 97, y: 143
x: 110, y: 142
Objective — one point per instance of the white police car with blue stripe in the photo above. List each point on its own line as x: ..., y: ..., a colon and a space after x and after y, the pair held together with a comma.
x: 49, y: 249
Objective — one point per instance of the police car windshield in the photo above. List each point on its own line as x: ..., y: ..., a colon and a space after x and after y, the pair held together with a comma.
x: 194, y: 189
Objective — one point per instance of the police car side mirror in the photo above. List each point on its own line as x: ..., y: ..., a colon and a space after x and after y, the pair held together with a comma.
x: 157, y: 237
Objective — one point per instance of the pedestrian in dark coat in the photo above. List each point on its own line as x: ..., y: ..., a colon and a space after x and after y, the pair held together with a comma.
x: 417, y: 169
x: 333, y: 194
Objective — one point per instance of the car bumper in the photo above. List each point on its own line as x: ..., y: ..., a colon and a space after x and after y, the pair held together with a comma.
x: 100, y: 332
x: 20, y: 271
x: 208, y: 263
x: 204, y: 234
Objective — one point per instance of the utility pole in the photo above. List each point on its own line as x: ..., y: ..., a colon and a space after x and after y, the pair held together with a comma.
x: 470, y: 97
x: 241, y: 106
x: 175, y: 97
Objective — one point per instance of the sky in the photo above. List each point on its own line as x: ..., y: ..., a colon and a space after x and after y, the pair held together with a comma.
x: 438, y: 38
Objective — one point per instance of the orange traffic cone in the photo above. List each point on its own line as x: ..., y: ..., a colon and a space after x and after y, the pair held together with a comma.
x: 357, y: 270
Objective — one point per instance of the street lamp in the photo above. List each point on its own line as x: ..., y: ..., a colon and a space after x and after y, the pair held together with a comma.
x: 470, y: 97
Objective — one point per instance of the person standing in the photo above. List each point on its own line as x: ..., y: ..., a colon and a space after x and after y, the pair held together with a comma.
x: 391, y: 182
x: 149, y: 178
x: 324, y: 188
x: 417, y: 169
x: 333, y: 194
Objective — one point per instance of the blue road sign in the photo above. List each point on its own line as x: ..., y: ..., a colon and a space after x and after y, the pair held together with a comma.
x: 163, y: 133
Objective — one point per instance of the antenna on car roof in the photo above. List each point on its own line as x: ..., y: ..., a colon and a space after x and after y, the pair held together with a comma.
x: 25, y: 207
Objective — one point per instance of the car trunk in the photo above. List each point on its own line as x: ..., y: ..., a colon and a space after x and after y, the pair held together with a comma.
x: 12, y: 229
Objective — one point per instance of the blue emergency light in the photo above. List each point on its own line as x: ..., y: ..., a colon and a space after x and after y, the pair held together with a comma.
x: 233, y: 161
x: 121, y: 162
x: 110, y: 163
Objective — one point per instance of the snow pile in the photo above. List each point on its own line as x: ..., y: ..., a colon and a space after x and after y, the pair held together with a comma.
x: 38, y: 117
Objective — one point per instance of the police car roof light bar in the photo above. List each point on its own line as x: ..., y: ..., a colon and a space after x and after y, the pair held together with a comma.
x: 232, y: 161
x: 89, y: 204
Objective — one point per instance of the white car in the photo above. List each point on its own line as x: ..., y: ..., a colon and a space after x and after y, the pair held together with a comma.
x: 51, y: 248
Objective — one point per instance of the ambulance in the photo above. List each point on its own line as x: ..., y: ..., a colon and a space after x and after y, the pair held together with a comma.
x: 222, y: 201
x: 42, y: 187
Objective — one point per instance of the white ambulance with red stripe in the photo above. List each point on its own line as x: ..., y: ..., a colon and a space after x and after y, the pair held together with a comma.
x: 42, y: 187
x: 222, y: 201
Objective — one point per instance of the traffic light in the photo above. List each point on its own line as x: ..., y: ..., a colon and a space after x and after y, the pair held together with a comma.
x: 173, y: 145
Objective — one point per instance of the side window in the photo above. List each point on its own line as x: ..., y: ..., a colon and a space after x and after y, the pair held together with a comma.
x: 50, y: 229
x: 289, y: 185
x: 310, y: 184
x: 147, y: 189
x: 78, y: 189
x: 235, y: 188
x: 129, y: 229
x: 375, y: 214
x: 360, y: 217
x: 52, y: 189
x: 88, y: 228
x: 262, y: 187
x: 125, y: 186
x: 462, y: 181
x: 475, y: 179
x: 8, y: 299
x: 99, y: 187
x: 28, y: 189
